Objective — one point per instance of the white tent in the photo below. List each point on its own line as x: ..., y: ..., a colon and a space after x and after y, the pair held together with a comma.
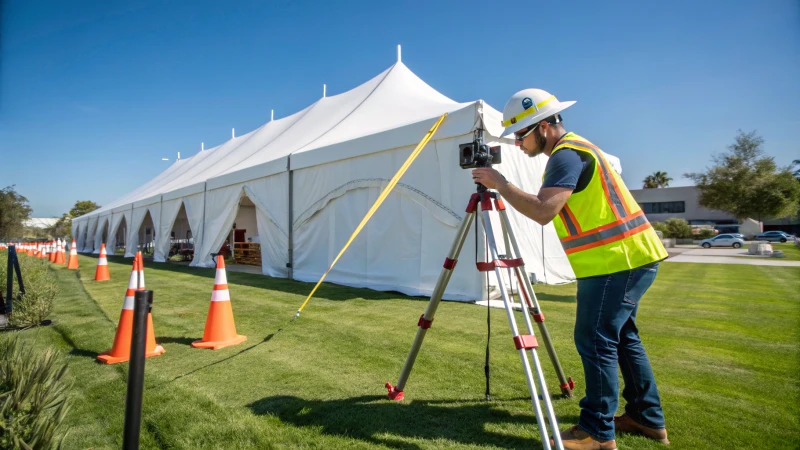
x: 302, y: 183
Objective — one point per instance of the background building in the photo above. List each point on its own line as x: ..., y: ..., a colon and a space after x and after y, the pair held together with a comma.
x: 40, y: 222
x: 660, y: 204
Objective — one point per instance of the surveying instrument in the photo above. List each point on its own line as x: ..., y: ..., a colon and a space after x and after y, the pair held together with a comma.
x: 477, y: 154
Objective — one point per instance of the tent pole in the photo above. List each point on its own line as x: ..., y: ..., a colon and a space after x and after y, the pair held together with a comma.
x: 203, y: 223
x: 290, y: 264
x: 160, y: 218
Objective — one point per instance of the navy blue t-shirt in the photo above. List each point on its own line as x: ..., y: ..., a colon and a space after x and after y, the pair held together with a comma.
x: 570, y: 169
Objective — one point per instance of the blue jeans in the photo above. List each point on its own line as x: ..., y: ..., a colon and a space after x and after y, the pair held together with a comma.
x: 606, y: 336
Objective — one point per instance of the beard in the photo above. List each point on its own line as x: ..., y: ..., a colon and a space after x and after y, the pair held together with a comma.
x: 540, y: 142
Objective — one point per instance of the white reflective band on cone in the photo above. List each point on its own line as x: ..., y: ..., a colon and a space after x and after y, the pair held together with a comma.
x: 221, y: 296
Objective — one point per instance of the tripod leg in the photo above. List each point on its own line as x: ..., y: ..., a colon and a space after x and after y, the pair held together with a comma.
x: 526, y: 290
x: 522, y: 343
x: 396, y: 392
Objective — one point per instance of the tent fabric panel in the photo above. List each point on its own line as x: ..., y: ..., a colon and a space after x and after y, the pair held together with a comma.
x: 194, y: 205
x: 137, y: 218
x: 458, y: 122
x: 413, y: 219
x: 77, y: 233
x: 271, y: 198
x: 169, y: 211
x: 90, y: 229
x: 220, y: 207
x: 116, y: 220
x: 401, y: 249
x: 98, y: 234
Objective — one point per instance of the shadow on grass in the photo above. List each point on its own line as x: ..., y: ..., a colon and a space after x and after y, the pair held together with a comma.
x: 327, y: 291
x: 75, y: 351
x: 247, y: 349
x: 176, y: 340
x: 380, y: 421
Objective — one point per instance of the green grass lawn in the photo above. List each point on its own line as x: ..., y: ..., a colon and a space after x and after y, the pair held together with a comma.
x: 723, y: 340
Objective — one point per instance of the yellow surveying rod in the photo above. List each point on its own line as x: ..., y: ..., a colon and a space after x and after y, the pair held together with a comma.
x: 377, y: 204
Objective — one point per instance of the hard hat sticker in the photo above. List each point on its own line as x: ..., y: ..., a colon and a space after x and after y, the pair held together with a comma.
x: 527, y: 102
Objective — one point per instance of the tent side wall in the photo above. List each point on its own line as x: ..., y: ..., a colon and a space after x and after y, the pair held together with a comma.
x: 88, y: 244
x: 403, y: 246
x: 270, y: 198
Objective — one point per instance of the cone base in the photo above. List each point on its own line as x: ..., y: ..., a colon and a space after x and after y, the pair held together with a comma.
x: 106, y: 357
x: 216, y: 345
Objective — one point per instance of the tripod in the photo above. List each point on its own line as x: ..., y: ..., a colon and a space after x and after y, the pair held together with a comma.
x: 488, y: 201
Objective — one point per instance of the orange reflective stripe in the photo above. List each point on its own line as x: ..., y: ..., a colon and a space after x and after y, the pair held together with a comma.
x: 616, y: 237
x: 572, y: 217
x: 613, y: 193
x: 605, y: 227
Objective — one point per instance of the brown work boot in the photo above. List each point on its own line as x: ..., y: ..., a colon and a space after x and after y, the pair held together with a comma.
x: 577, y: 439
x: 625, y: 424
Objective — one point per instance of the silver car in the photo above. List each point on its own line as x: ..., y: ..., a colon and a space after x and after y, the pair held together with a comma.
x: 722, y: 240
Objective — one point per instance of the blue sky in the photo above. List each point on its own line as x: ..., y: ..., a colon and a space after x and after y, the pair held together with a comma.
x: 97, y: 92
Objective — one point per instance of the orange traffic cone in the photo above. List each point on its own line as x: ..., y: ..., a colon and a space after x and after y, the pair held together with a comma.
x: 52, y: 254
x: 73, y: 256
x: 44, y: 251
x: 121, y: 349
x: 60, y: 255
x: 101, y: 273
x: 220, y: 329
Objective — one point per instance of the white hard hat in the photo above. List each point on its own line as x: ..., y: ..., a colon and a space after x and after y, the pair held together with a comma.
x: 529, y: 106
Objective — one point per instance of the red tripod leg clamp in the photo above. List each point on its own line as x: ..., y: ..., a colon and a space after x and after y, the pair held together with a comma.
x: 498, y: 203
x: 502, y: 263
x: 425, y: 324
x: 473, y: 203
x: 485, y: 266
x: 450, y: 264
x: 526, y: 341
x: 569, y: 384
x: 486, y: 202
x: 394, y: 394
x: 538, y: 317
x: 508, y: 263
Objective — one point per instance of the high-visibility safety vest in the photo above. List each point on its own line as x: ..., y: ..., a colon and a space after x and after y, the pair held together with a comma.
x: 602, y: 228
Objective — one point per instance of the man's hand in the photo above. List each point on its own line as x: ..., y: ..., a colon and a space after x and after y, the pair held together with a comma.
x: 489, y: 177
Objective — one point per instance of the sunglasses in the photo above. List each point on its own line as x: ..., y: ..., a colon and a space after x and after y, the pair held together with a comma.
x: 522, y: 137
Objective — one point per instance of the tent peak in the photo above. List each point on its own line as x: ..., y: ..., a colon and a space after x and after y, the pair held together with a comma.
x: 399, y: 51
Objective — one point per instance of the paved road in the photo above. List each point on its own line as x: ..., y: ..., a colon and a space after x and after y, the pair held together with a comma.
x: 724, y: 256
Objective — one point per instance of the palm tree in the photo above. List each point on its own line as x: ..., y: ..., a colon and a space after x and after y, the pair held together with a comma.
x: 656, y: 180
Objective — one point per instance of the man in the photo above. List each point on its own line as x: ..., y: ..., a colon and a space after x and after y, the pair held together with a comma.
x: 614, y: 253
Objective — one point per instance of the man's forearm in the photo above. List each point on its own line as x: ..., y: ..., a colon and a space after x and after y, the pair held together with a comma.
x: 527, y: 204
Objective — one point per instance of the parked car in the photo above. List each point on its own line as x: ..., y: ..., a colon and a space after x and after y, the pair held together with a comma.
x: 722, y: 240
x: 778, y: 236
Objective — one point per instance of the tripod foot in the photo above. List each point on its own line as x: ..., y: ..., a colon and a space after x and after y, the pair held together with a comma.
x: 394, y: 394
x: 566, y: 388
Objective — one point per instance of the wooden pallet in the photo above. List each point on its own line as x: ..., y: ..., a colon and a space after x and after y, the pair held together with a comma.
x: 247, y: 253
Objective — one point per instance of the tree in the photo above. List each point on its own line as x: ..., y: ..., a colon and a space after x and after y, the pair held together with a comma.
x: 747, y: 184
x: 14, y: 210
x: 62, y: 228
x: 82, y: 207
x: 674, y: 228
x: 656, y: 180
x: 796, y: 162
